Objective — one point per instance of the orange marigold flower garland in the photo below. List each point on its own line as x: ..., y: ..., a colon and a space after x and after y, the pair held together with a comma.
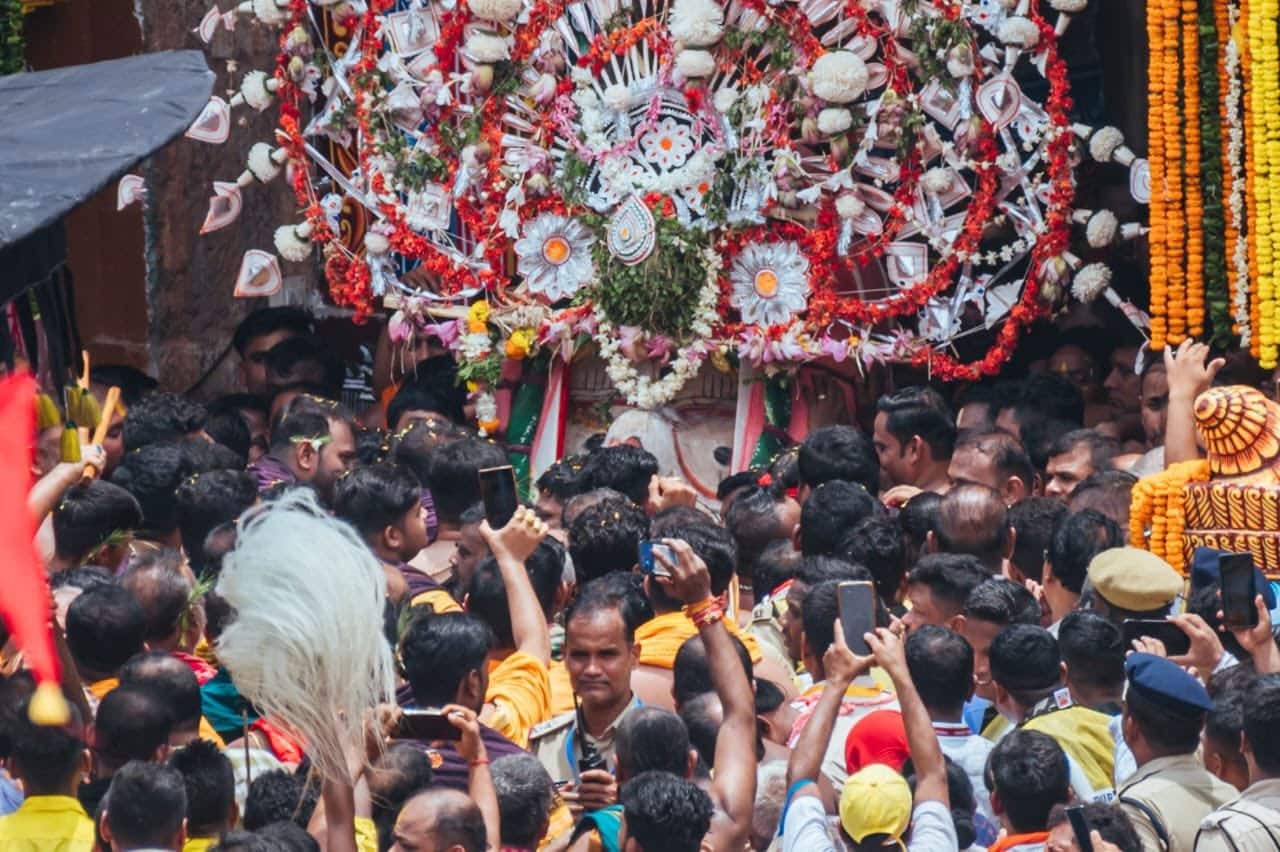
x: 1159, y: 235
x: 1191, y: 168
x: 1175, y: 214
x: 1157, y: 512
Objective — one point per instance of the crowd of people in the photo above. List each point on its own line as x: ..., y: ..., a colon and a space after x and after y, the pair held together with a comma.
x: 556, y: 690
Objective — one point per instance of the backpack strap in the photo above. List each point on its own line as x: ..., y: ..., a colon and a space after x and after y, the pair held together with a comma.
x: 1156, y: 825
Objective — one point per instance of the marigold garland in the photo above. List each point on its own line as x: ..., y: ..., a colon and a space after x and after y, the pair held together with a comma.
x: 1156, y: 513
x: 1191, y: 169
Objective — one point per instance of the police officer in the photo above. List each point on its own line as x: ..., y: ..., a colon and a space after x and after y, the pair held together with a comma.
x: 577, y: 748
x: 1164, y: 712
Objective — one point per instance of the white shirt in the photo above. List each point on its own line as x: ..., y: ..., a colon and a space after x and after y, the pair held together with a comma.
x: 969, y: 751
x: 806, y: 828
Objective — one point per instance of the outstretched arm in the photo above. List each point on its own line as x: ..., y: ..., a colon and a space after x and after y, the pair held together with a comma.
x: 1190, y: 374
x: 511, y: 546
x: 922, y: 742
x: 841, y: 666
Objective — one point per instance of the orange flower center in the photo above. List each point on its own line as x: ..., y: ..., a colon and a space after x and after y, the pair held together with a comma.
x: 556, y: 250
x: 665, y: 143
x: 766, y: 283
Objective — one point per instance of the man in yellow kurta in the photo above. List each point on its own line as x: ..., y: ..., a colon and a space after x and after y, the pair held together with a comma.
x: 49, y: 761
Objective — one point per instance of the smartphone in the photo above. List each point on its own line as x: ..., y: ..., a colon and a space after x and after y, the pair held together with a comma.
x: 426, y: 726
x: 857, y: 613
x: 1080, y: 827
x: 1175, y: 641
x: 649, y: 563
x: 498, y: 492
x: 1239, y: 588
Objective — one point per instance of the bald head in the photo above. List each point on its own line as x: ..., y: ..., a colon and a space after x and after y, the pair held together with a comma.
x: 439, y: 820
x: 972, y: 519
x: 162, y: 584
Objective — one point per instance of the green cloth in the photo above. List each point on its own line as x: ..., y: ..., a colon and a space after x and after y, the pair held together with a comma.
x: 223, y: 706
x: 607, y: 823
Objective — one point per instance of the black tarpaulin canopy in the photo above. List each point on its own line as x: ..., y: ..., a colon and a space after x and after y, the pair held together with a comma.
x: 69, y: 132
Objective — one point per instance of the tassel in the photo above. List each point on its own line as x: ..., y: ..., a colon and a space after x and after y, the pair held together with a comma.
x: 48, y: 707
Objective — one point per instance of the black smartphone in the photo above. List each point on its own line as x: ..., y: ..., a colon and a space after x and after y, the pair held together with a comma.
x: 857, y: 613
x: 1175, y: 641
x: 1080, y: 827
x: 426, y: 726
x: 1239, y: 588
x: 649, y: 563
x: 498, y: 492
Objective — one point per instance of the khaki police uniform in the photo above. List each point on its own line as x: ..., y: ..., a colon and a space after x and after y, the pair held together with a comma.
x: 555, y: 743
x: 1250, y: 823
x: 1176, y: 793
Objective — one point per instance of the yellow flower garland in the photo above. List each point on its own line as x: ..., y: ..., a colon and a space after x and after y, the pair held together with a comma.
x: 1265, y: 136
x: 1159, y: 235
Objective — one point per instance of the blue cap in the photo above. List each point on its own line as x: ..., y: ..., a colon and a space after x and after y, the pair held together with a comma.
x: 1167, y: 685
x: 1204, y: 572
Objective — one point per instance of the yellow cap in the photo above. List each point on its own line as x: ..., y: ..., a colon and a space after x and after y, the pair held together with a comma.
x: 1134, y: 579
x: 875, y: 800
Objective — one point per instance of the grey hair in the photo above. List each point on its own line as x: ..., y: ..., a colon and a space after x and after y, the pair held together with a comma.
x: 525, y: 792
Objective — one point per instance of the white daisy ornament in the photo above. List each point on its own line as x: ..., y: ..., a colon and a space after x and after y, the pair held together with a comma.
x: 554, y: 256
x: 770, y: 283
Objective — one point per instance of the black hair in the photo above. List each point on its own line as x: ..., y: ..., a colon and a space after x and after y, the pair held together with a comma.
x: 1025, y: 660
x: 160, y: 417
x: 438, y: 650
x: 665, y: 812
x: 663, y: 524
x: 1172, y: 732
x: 152, y: 475
x: 373, y: 446
x: 1109, y: 820
x: 736, y: 482
x: 266, y: 321
x: 960, y: 796
x: 375, y: 497
x: 1028, y: 771
x: 1040, y: 434
x: 821, y: 609
x: 402, y: 771
x: 105, y: 627
x: 1077, y: 539
x: 454, y: 475
x: 876, y: 543
x: 1107, y: 491
x: 785, y: 467
x: 278, y: 795
x: 605, y: 537
x: 1093, y: 649
x: 916, y: 518
x: 156, y: 581
x: 1102, y: 448
x: 415, y: 397
x: 813, y: 570
x: 1045, y: 396
x: 1006, y: 454
x: 415, y: 446
x: 773, y: 567
x: 47, y: 756
x: 239, y: 402
x: 210, y: 784
x: 651, y: 738
x: 208, y: 500
x: 754, y: 522
x: 438, y: 376
x: 306, y: 418
x: 145, y: 805
x: 288, y: 837
x: 839, y: 452
x: 1001, y: 601
x: 87, y: 516
x: 920, y: 411
x: 1032, y: 520
x: 624, y: 468
x: 487, y: 596
x: 307, y: 361
x: 83, y: 577
x: 200, y: 456
x: 133, y: 383
x: 229, y: 429
x: 691, y: 671
x: 170, y: 679
x: 832, y: 509
x: 525, y: 796
x: 623, y: 591
x: 131, y: 724
x: 973, y: 519
x: 949, y: 576
x: 941, y: 666
x: 564, y: 478
x: 244, y: 841
x: 1225, y: 722
x: 713, y: 545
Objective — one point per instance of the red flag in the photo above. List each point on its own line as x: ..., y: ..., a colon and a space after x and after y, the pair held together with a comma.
x: 24, y: 594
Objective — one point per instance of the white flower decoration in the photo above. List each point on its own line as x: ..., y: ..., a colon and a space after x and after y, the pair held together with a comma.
x: 937, y: 180
x: 1019, y: 32
x: 960, y: 61
x: 724, y: 100
x: 618, y: 97
x: 554, y: 256
x: 839, y: 76
x: 770, y: 283
x: 849, y: 206
x: 833, y: 120
x: 290, y: 246
x: 255, y: 89
x: 668, y: 145
x: 376, y: 243
x: 696, y: 23
x: 262, y: 162
x: 1101, y: 228
x: 501, y: 11
x: 1104, y: 142
x: 488, y: 48
x: 1091, y: 281
x: 695, y: 63
x: 543, y: 89
x: 1071, y: 7
x: 270, y: 12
